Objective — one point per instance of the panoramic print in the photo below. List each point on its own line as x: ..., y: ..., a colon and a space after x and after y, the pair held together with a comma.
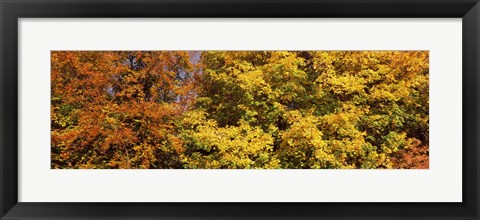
x: 239, y: 109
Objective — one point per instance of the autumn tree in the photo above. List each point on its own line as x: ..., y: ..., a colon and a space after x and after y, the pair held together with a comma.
x: 332, y: 109
x: 115, y: 109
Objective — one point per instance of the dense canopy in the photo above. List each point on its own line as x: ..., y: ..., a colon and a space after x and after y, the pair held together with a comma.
x: 239, y: 109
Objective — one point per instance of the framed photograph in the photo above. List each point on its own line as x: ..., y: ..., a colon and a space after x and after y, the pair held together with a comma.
x: 311, y: 109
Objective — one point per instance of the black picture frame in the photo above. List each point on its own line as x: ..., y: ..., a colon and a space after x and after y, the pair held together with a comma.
x: 11, y: 10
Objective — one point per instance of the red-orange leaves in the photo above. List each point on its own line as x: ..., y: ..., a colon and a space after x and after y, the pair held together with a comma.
x: 117, y: 109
